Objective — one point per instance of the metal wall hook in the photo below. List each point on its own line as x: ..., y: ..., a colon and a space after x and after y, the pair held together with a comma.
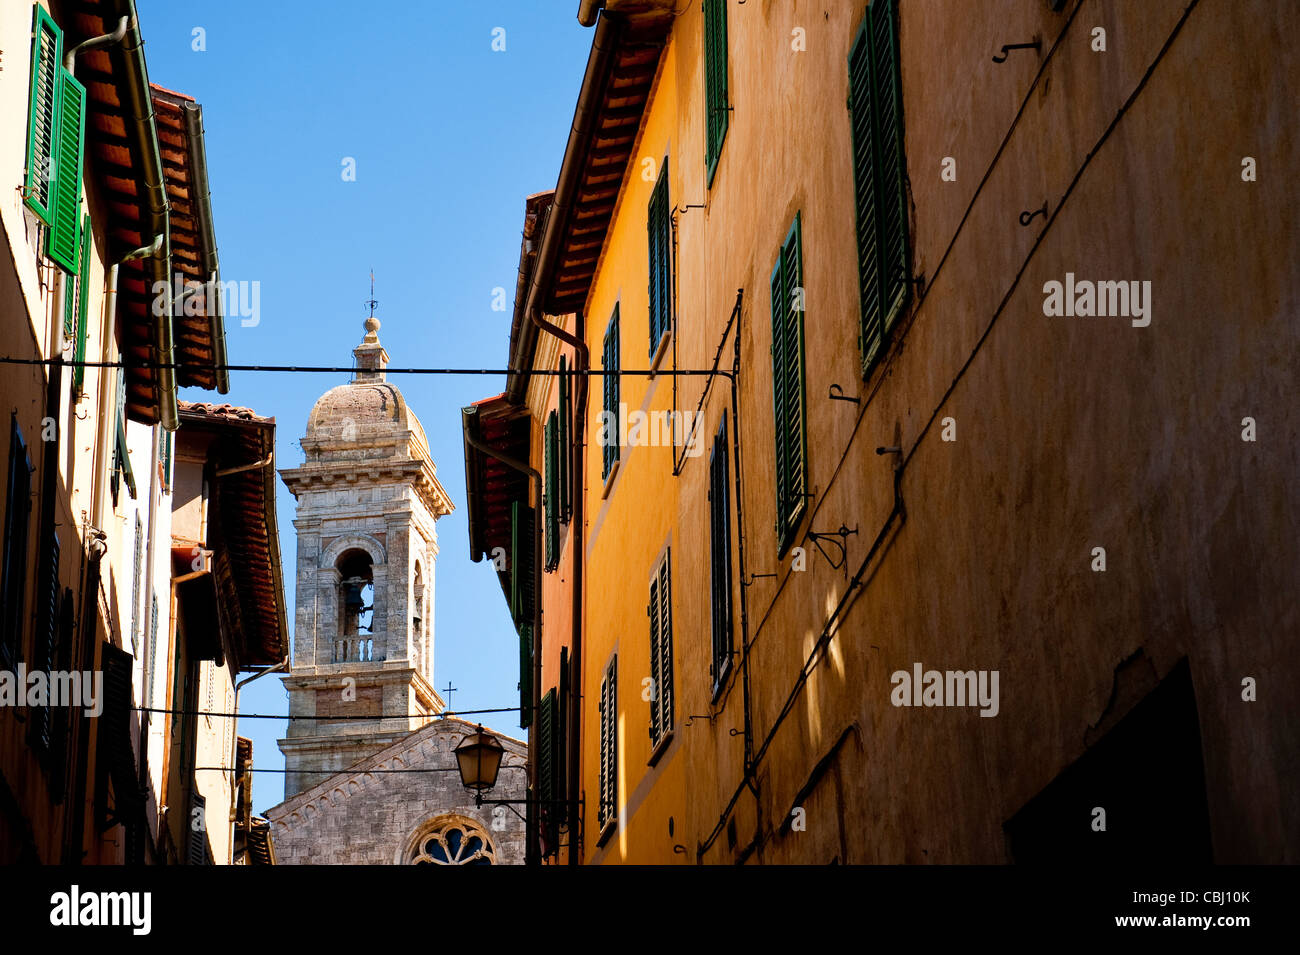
x: 692, y: 205
x: 1002, y: 57
x: 1027, y: 216
x: 837, y: 393
x: 692, y: 719
x: 902, y: 275
x: 748, y: 581
x: 843, y: 534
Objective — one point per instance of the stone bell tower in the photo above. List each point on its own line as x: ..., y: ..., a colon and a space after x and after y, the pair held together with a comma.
x: 368, y: 498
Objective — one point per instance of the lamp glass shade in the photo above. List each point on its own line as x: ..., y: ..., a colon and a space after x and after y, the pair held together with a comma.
x: 479, y: 758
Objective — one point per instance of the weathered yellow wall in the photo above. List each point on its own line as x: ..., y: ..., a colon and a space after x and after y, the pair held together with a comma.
x: 1071, y: 432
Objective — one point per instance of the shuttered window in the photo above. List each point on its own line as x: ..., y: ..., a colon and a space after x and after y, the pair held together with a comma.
x: 566, y: 416
x: 720, y: 556
x: 115, y: 757
x: 610, y: 362
x: 137, y: 570
x: 788, y: 386
x: 548, y: 727
x: 69, y: 309
x: 522, y: 555
x: 47, y: 634
x: 660, y: 611
x: 715, y: 82
x: 522, y: 586
x: 168, y: 445
x: 551, y: 495
x: 43, y: 113
x: 63, y: 241
x: 563, y: 701
x: 18, y: 504
x: 879, y: 170
x: 546, y: 743
x: 608, y: 704
x: 151, y: 651
x: 121, y: 455
x: 197, y: 853
x: 659, y: 226
x: 83, y: 311
x: 526, y: 675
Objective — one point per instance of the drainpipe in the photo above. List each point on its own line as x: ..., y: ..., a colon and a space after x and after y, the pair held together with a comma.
x: 535, y: 478
x: 105, y: 397
x: 588, y: 10
x: 94, y: 43
x: 234, y: 746
x: 577, y: 528
x: 245, y: 467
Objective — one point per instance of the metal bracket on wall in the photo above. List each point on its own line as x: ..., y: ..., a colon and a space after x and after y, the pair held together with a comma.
x: 692, y: 719
x: 902, y: 276
x: 749, y: 581
x: 692, y: 205
x: 843, y: 534
x: 1037, y: 45
x: 837, y: 394
x: 1028, y: 215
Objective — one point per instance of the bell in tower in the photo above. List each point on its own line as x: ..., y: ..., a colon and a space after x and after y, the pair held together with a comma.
x: 368, y: 499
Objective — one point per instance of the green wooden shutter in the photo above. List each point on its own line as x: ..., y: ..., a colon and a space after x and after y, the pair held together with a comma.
x: 546, y: 732
x: 566, y: 415
x: 83, y: 310
x: 608, y: 807
x: 43, y: 113
x: 551, y: 496
x: 659, y: 227
x: 562, y: 703
x: 891, y: 172
x: 715, y: 82
x: 864, y: 191
x: 122, y: 456
x: 879, y: 173
x: 788, y: 386
x: 69, y: 309
x: 720, y: 554
x: 522, y: 555
x: 63, y: 241
x: 526, y: 675
x: 610, y: 362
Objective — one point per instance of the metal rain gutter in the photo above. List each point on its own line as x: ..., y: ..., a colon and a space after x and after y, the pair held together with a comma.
x: 599, y: 63
x: 139, y: 103
x: 193, y: 113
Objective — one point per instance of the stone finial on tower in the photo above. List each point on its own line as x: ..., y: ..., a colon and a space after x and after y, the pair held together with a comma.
x: 371, y: 358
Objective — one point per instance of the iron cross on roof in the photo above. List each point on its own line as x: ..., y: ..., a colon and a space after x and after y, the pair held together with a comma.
x: 449, y: 691
x: 371, y: 301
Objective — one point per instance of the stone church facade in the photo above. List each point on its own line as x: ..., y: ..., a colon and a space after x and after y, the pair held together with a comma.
x: 369, y: 756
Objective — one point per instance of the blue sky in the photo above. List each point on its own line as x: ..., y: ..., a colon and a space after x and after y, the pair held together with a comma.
x: 448, y: 137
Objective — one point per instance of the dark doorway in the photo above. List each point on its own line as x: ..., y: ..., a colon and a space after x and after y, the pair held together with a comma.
x: 1146, y: 773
